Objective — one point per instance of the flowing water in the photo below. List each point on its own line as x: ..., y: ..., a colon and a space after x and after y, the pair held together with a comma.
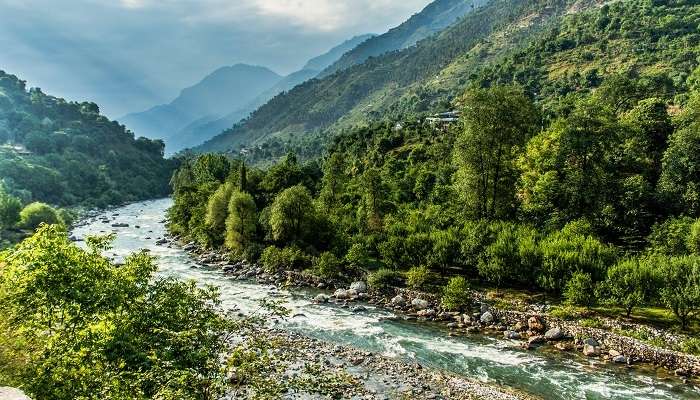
x: 548, y: 374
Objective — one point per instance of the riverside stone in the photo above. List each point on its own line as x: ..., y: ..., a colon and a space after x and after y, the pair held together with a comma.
x: 554, y: 334
x: 486, y: 318
x: 420, y: 304
x: 8, y: 393
x: 359, y: 287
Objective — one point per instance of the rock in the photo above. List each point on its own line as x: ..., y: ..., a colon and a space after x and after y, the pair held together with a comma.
x: 535, y: 340
x: 161, y: 242
x: 321, y: 298
x: 613, y: 353
x: 554, y: 334
x: 426, y: 313
x: 520, y: 326
x: 358, y: 309
x: 120, y: 225
x: 512, y: 335
x: 359, y: 287
x: 486, y: 318
x: 564, y: 346
x: 466, y: 319
x: 341, y: 294
x: 591, y: 347
x: 351, y: 293
x: 8, y: 393
x: 484, y: 308
x: 420, y: 304
x: 620, y: 359
x: 535, y: 324
x: 398, y: 301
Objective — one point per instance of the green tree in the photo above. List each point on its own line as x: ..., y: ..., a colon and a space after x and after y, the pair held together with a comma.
x: 580, y: 290
x: 217, y: 212
x: 10, y: 208
x: 241, y: 224
x: 680, y: 289
x: 456, y: 295
x: 631, y: 283
x: 497, y: 123
x: 292, y: 215
x: 37, y: 213
x: 75, y: 325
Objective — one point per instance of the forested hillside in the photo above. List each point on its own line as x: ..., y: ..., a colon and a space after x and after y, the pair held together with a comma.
x: 552, y: 48
x: 66, y: 153
x: 437, y: 16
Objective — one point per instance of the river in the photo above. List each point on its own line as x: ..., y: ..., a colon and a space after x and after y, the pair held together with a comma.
x: 547, y: 374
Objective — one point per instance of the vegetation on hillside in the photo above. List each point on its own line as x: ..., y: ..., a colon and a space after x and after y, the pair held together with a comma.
x: 553, y: 48
x: 67, y: 154
x: 598, y: 206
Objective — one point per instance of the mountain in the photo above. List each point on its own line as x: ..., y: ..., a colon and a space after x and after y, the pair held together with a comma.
x: 226, y: 89
x: 68, y: 154
x: 332, y: 56
x: 205, y: 128
x: 437, y: 16
x: 551, y: 47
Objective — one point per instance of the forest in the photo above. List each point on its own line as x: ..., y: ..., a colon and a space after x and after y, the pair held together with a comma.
x: 598, y: 207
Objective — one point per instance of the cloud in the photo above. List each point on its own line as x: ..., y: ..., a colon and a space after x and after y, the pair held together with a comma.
x: 127, y: 55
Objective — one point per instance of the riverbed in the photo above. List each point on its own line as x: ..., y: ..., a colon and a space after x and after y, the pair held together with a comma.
x: 547, y: 374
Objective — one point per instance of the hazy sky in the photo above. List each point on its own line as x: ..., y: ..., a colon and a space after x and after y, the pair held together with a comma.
x: 127, y: 55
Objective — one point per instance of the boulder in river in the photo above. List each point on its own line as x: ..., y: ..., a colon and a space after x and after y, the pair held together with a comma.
x: 359, y: 287
x: 486, y: 318
x: 120, y: 225
x: 321, y: 298
x: 554, y: 334
x: 341, y: 294
x: 512, y: 335
x: 535, y: 324
x: 420, y: 304
x: 591, y: 347
x: 398, y: 301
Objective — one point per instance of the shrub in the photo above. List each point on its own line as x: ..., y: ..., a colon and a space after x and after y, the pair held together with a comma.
x: 680, y: 289
x: 630, y: 283
x: 456, y: 294
x: 383, y: 279
x: 327, y: 266
x: 35, y: 214
x: 418, y: 277
x: 241, y: 223
x: 275, y: 259
x: 564, y: 253
x: 512, y: 257
x: 580, y: 290
x: 691, y: 346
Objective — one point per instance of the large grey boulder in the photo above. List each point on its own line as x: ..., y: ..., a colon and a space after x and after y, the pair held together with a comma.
x: 420, y: 304
x: 398, y: 301
x: 359, y: 287
x: 8, y: 393
x: 486, y: 318
x: 554, y: 334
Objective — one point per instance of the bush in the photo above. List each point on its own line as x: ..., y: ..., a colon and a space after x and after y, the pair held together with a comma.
x: 327, y: 266
x: 631, y: 283
x: 564, y: 253
x: 10, y: 208
x: 671, y: 237
x: 383, y: 279
x: 35, y: 214
x: 513, y: 257
x: 418, y: 277
x: 680, y: 289
x: 580, y: 290
x: 274, y: 259
x: 456, y: 294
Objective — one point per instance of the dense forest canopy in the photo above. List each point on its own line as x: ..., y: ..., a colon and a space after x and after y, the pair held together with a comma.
x: 66, y: 153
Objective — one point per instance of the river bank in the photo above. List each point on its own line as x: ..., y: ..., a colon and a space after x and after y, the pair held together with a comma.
x: 531, y: 329
x: 372, y: 328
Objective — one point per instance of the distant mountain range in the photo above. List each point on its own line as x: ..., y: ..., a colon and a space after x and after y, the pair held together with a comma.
x: 222, y: 99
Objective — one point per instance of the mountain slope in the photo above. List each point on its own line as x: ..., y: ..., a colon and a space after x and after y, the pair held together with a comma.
x: 68, y: 154
x: 226, y: 89
x: 204, y: 128
x: 551, y: 47
x: 437, y: 16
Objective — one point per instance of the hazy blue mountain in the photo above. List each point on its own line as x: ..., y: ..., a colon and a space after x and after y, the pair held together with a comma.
x: 226, y: 89
x: 435, y: 17
x: 206, y: 127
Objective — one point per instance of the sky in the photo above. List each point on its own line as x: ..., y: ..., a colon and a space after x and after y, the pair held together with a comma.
x: 128, y: 55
